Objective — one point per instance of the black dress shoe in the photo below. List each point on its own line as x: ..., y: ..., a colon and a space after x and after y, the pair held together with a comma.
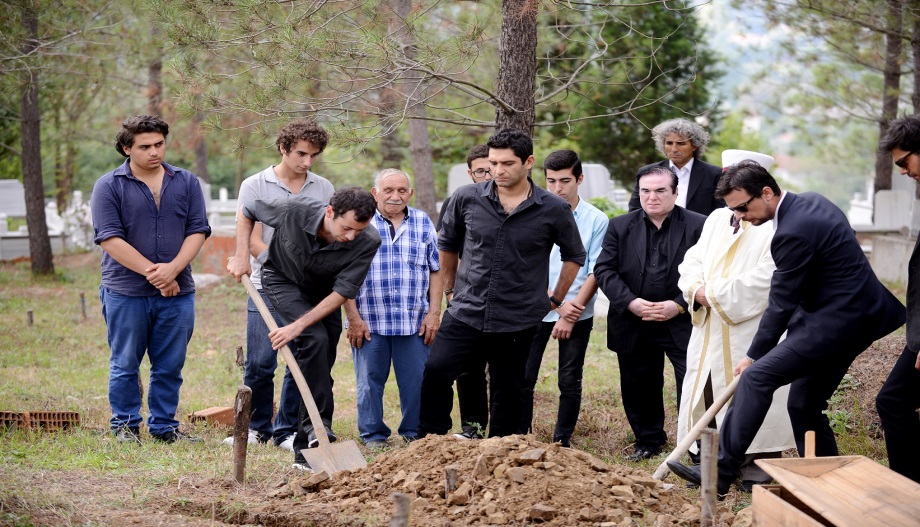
x: 643, y: 453
x: 693, y: 476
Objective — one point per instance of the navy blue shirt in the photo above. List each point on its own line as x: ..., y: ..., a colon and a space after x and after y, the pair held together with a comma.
x: 123, y: 207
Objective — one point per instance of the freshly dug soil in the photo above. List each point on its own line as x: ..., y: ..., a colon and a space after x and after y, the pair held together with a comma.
x: 513, y: 480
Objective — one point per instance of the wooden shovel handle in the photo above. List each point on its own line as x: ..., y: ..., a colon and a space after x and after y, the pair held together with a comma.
x: 662, y: 471
x: 319, y: 428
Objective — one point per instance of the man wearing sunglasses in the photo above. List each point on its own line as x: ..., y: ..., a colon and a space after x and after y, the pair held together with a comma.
x: 899, y: 398
x: 823, y: 294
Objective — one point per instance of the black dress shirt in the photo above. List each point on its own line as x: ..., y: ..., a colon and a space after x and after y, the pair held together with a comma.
x: 503, y: 276
x: 303, y: 258
x: 655, y: 277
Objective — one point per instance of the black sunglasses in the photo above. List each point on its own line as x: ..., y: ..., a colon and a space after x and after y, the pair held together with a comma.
x: 902, y: 161
x: 743, y: 206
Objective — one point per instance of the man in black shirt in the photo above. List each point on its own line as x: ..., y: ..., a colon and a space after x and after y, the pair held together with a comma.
x: 318, y: 258
x: 497, y: 292
x: 648, y: 320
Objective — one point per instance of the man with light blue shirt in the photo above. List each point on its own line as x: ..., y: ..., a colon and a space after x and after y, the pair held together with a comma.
x: 300, y: 143
x: 563, y: 176
x: 397, y: 311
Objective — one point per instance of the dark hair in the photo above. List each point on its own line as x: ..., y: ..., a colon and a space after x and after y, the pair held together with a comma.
x: 302, y: 130
x: 139, y: 124
x: 514, y: 139
x: 353, y: 198
x: 657, y: 169
x: 746, y: 175
x: 563, y: 159
x: 903, y: 133
x: 477, y: 152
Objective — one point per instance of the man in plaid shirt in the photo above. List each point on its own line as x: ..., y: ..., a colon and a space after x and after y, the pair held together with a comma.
x: 392, y: 318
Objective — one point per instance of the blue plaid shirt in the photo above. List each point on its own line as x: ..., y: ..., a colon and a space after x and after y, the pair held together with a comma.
x: 394, y: 297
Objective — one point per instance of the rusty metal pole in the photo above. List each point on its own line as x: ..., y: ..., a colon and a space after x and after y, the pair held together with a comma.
x: 241, y: 414
x: 30, y: 317
x: 709, y: 471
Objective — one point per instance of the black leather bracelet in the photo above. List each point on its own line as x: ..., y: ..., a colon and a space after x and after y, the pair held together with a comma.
x: 556, y: 302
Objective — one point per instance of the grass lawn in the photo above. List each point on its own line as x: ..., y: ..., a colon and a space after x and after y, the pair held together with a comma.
x: 60, y: 363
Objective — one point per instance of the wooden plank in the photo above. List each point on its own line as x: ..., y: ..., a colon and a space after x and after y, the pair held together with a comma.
x: 849, y: 491
x: 769, y: 509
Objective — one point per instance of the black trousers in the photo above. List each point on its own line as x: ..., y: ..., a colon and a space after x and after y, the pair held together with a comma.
x: 812, y: 382
x: 897, y: 405
x: 473, y: 395
x: 314, y: 349
x: 458, y: 344
x: 571, y: 367
x: 642, y: 383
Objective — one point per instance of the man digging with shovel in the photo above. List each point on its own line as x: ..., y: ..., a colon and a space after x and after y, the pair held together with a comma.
x: 317, y: 259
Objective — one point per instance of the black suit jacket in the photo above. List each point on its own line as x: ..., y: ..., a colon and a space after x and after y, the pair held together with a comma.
x: 823, y: 290
x: 620, y: 267
x: 701, y: 193
x: 913, y: 300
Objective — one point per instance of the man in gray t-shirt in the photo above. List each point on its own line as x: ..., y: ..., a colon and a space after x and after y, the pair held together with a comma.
x: 300, y: 143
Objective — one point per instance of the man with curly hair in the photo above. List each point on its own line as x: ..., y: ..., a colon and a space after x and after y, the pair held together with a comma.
x: 683, y: 143
x: 150, y: 220
x: 300, y: 143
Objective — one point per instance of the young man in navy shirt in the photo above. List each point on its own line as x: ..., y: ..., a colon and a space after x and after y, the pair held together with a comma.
x: 149, y: 218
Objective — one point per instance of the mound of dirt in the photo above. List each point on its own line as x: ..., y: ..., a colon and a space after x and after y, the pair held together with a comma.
x: 513, y: 480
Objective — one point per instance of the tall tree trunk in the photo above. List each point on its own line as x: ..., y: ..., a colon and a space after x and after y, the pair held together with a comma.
x: 518, y: 65
x: 389, y: 143
x: 39, y: 243
x: 200, y: 148
x: 64, y: 175
x: 915, y: 46
x: 419, y: 143
x: 155, y: 81
x: 892, y: 86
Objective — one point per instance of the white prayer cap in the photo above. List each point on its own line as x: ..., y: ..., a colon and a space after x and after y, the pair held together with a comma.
x: 730, y: 157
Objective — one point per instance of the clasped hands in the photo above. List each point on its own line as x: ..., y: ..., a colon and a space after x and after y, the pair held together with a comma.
x: 163, y: 277
x: 654, y: 311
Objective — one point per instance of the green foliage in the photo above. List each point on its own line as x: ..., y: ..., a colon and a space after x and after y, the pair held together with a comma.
x: 606, y: 206
x: 656, y: 68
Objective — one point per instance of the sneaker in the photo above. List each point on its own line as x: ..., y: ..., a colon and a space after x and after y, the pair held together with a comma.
x: 175, y: 435
x: 300, y: 463
x: 125, y: 434
x: 378, y: 444
x: 253, y: 438
x: 468, y: 434
x: 314, y: 442
x: 285, y: 444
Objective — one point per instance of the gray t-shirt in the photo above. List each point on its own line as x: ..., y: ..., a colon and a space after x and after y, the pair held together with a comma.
x: 266, y: 186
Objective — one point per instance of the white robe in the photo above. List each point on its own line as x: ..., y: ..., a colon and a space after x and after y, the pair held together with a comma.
x: 736, y: 269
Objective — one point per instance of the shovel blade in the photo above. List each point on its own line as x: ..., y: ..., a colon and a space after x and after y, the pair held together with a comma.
x: 335, y: 457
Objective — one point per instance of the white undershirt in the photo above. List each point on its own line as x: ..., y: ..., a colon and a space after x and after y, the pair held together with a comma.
x: 683, y: 182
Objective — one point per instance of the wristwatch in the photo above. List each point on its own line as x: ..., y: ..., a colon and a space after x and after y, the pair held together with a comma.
x: 556, y: 302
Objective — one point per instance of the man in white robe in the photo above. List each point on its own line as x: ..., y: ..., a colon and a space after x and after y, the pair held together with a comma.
x: 725, y: 279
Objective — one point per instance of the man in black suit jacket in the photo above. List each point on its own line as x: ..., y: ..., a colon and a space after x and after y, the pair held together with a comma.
x: 823, y: 292
x: 683, y: 142
x: 899, y: 399
x: 648, y: 319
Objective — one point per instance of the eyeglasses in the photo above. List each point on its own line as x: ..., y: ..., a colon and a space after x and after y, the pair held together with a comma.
x: 480, y: 173
x: 743, y: 206
x: 902, y: 162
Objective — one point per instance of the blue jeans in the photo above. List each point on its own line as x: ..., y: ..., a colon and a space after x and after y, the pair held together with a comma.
x: 372, y: 367
x: 161, y: 327
x: 261, y: 363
